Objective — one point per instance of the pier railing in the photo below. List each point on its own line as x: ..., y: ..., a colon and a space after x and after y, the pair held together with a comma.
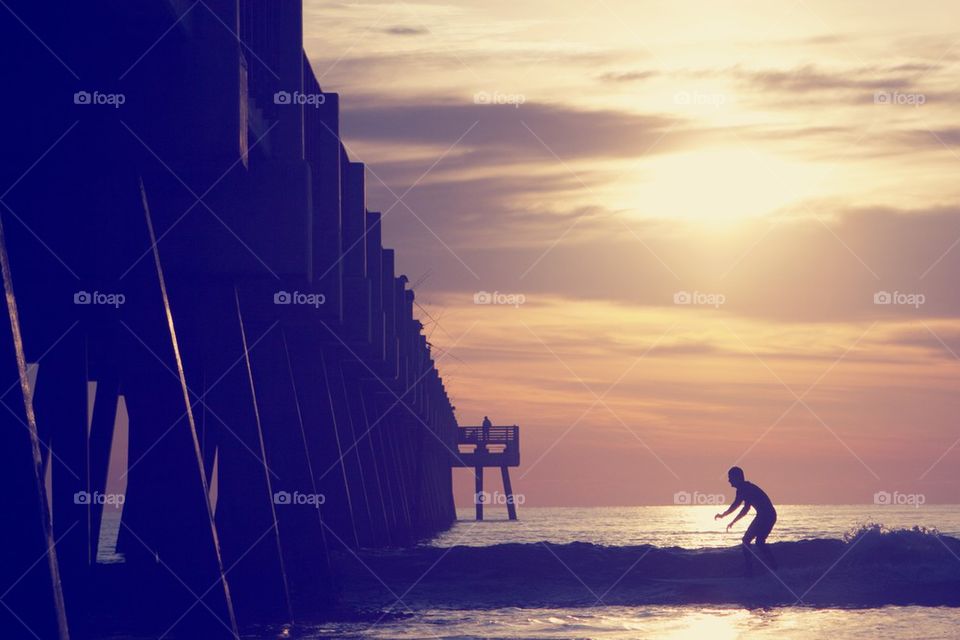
x: 488, y: 446
x: 508, y: 436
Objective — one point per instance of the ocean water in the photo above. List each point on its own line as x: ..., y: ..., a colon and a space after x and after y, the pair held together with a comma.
x: 566, y: 573
x: 690, y: 527
x: 664, y: 527
x: 669, y: 623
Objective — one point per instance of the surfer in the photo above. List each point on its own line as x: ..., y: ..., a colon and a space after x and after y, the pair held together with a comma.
x: 750, y: 495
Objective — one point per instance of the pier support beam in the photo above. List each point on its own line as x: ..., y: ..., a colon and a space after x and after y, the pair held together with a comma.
x: 508, y: 492
x: 478, y: 494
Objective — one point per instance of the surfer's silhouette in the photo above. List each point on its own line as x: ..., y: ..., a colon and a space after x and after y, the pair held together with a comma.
x: 750, y: 495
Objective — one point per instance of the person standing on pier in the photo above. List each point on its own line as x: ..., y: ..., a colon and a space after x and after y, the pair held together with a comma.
x: 485, y: 433
x: 752, y: 496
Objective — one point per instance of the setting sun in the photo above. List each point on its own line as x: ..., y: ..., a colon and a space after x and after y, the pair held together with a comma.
x: 721, y: 186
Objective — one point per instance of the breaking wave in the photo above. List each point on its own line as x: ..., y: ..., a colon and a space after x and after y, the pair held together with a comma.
x: 870, y: 566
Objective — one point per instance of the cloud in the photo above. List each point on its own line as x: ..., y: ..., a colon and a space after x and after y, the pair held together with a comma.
x: 388, y: 73
x: 938, y: 341
x: 827, y: 268
x: 799, y: 88
x: 939, y: 139
x: 812, y: 78
x: 528, y: 130
x: 406, y: 31
x: 629, y: 76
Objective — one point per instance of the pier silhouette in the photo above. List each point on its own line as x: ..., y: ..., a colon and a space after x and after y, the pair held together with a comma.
x: 210, y: 361
x: 490, y: 446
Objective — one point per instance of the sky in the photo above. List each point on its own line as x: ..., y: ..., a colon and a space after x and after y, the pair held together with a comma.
x: 717, y: 233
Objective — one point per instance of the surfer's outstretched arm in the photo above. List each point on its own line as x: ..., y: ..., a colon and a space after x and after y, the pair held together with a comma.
x: 736, y: 503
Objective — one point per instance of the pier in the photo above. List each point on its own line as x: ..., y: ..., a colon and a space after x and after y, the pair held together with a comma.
x: 489, y: 446
x: 200, y: 323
